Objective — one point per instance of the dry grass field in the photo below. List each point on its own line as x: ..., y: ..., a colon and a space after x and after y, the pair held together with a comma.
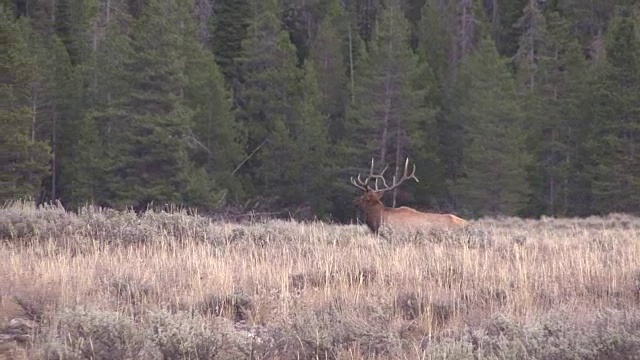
x: 103, y: 284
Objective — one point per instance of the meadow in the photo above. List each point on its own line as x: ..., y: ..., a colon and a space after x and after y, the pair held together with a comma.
x: 103, y: 284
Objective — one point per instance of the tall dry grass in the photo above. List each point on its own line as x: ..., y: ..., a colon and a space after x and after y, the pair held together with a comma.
x: 103, y: 284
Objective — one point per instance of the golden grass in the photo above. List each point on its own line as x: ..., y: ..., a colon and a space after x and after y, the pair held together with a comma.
x: 290, y: 290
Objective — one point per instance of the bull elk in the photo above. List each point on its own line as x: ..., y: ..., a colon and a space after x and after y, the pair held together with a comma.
x: 402, y: 218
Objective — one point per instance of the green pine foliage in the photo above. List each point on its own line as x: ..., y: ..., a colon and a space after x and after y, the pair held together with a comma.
x: 616, y: 121
x: 107, y: 90
x: 388, y: 119
x: 503, y: 17
x: 311, y: 164
x: 215, y: 138
x: 329, y: 58
x: 268, y: 100
x: 532, y: 29
x: 494, y: 160
x: 151, y: 164
x: 554, y: 117
x: 24, y: 158
x: 230, y: 25
x: 433, y: 45
x: 72, y: 24
x: 445, y: 135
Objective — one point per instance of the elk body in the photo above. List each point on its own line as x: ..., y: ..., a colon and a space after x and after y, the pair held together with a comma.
x: 402, y: 218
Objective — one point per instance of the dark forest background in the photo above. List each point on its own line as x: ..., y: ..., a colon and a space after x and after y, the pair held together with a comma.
x: 514, y: 107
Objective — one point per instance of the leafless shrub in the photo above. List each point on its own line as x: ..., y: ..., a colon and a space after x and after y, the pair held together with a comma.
x: 410, y: 305
x: 33, y: 307
x: 238, y: 307
x: 323, y: 332
x: 314, y: 280
x: 471, y: 237
x: 91, y: 334
x: 182, y: 336
x: 610, y: 335
x: 131, y: 291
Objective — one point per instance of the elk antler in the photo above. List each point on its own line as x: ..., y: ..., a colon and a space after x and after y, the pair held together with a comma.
x: 405, y: 176
x: 364, y: 185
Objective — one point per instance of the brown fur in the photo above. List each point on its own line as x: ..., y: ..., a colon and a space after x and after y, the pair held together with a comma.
x: 403, y: 218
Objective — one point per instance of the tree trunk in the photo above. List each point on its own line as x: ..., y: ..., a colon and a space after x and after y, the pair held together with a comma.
x: 398, y: 161
x: 532, y: 31
x: 387, y: 108
x: 33, y: 117
x: 53, y: 157
x: 351, y: 65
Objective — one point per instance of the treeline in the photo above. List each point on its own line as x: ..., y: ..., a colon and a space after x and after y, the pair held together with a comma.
x: 515, y: 107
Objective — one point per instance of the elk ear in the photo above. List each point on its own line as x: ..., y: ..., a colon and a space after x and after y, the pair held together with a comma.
x: 378, y: 194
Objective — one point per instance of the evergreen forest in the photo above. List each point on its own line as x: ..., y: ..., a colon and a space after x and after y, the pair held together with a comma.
x: 507, y: 107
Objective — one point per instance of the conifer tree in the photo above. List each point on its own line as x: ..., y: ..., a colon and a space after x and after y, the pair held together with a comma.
x: 152, y: 164
x: 327, y: 55
x: 72, y: 24
x: 533, y: 33
x: 504, y: 14
x: 106, y: 121
x: 433, y: 44
x: 311, y: 164
x: 615, y: 119
x: 434, y: 50
x: 58, y: 108
x: 494, y: 159
x: 389, y: 105
x: 25, y: 159
x: 230, y: 25
x: 552, y: 93
x: 216, y: 138
x: 268, y: 99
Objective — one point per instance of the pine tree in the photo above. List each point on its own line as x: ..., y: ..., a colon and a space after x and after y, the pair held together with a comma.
x: 384, y: 119
x: 494, y: 159
x: 72, y: 23
x: 615, y: 119
x: 591, y: 18
x: 106, y: 122
x: 504, y: 15
x: 365, y: 13
x: 433, y: 44
x: 25, y: 159
x: 268, y: 99
x: 553, y: 91
x: 533, y: 43
x: 413, y: 13
x: 311, y: 164
x: 10, y: 7
x: 230, y: 24
x: 57, y: 107
x: 42, y: 15
x: 152, y: 164
x: 327, y: 55
x: 216, y: 139
x: 533, y: 33
x: 434, y: 49
x: 80, y: 162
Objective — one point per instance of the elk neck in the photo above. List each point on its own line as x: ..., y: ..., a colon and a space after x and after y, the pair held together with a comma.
x: 373, y: 215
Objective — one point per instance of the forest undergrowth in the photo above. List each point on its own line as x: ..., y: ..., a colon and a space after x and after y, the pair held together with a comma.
x: 104, y: 284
